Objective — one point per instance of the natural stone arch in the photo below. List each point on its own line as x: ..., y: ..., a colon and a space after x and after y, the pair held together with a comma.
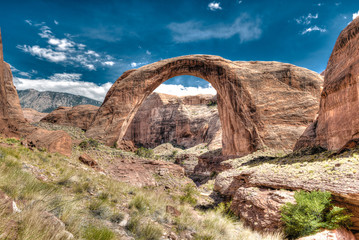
x: 243, y: 111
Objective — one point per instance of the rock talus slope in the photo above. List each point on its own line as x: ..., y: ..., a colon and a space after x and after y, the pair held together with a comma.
x: 259, y: 103
x: 338, y: 118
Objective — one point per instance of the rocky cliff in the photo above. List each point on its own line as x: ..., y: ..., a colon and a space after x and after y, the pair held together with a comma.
x: 182, y: 121
x: 48, y: 101
x: 337, y: 121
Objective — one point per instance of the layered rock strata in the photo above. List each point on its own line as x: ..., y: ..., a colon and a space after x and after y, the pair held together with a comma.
x: 338, y: 118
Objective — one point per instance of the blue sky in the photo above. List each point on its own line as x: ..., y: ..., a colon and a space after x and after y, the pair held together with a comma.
x: 84, y: 46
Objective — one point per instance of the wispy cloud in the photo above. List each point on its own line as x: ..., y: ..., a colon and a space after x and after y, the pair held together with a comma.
x: 314, y: 28
x: 355, y: 15
x: 67, y: 82
x: 306, y: 20
x: 214, y: 6
x: 65, y: 50
x: 180, y: 90
x: 244, y: 27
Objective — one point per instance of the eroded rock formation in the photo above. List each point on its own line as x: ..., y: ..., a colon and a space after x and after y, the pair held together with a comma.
x: 337, y: 121
x: 183, y: 121
x: 259, y: 103
x: 79, y: 116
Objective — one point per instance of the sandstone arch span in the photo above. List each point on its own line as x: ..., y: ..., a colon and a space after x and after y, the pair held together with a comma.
x: 257, y: 101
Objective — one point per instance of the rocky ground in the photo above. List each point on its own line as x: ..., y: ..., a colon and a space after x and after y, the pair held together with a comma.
x: 87, y: 194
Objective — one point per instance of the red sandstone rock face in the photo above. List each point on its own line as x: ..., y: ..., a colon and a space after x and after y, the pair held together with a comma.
x: 79, y: 116
x: 32, y: 115
x: 259, y: 103
x: 338, y: 119
x: 184, y: 121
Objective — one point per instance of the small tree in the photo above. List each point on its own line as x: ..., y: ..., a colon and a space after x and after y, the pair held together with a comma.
x: 313, y: 211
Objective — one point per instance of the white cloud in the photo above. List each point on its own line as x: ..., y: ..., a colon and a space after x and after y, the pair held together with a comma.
x: 214, y: 6
x: 246, y: 28
x: 355, y: 15
x: 180, y: 90
x: 148, y: 52
x: 320, y: 4
x: 28, y: 22
x: 306, y: 20
x: 45, y: 53
x: 56, y: 22
x: 133, y: 64
x: 65, y: 82
x: 240, y: 2
x: 315, y: 28
x: 108, y: 63
x: 65, y: 50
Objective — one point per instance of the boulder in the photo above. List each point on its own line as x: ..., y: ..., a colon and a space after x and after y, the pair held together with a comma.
x: 338, y: 117
x: 336, y: 234
x: 89, y: 161
x: 260, y: 207
x: 79, y: 116
x: 52, y: 141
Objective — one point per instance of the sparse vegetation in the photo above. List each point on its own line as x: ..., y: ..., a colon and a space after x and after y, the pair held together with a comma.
x: 313, y: 211
x: 89, y: 143
x: 189, y: 195
x: 144, y: 152
x: 96, y: 233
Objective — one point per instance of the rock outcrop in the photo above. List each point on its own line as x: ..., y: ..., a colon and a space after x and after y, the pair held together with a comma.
x: 31, y: 115
x: 79, y: 116
x: 337, y: 121
x: 259, y: 103
x: 182, y: 121
x: 336, y: 234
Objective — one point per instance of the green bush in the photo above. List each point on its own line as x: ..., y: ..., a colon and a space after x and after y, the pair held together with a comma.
x: 144, y: 152
x: 90, y: 143
x: 140, y: 203
x: 313, y: 211
x: 189, y: 195
x: 144, y: 230
x: 95, y: 233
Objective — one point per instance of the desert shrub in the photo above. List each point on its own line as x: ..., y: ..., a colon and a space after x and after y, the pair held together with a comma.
x: 144, y: 152
x: 144, y: 230
x: 212, y: 103
x: 98, y: 233
x: 12, y: 140
x: 98, y: 209
x: 224, y: 208
x: 189, y: 195
x: 89, y: 143
x: 140, y: 203
x: 117, y: 217
x: 312, y: 212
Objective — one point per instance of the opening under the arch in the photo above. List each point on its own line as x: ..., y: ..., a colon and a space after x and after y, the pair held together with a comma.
x: 183, y: 112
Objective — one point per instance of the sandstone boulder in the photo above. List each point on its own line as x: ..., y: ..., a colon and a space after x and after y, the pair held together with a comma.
x: 260, y: 207
x: 53, y: 141
x: 337, y: 234
x: 79, y: 116
x: 259, y: 103
x: 89, y: 161
x: 338, y: 118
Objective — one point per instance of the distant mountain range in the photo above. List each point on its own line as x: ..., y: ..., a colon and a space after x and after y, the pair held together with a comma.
x: 48, y: 101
